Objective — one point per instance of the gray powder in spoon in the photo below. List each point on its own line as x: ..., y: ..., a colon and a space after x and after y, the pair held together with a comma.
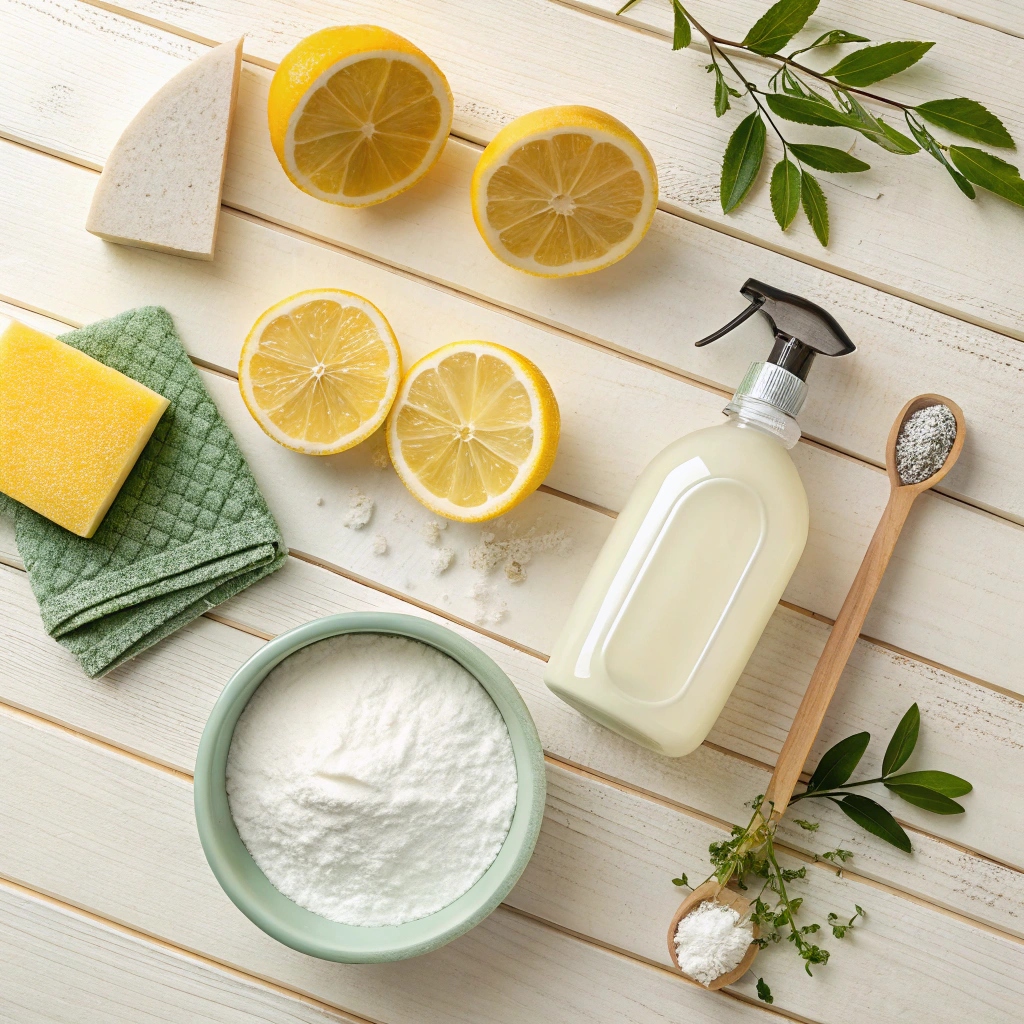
x: 924, y: 443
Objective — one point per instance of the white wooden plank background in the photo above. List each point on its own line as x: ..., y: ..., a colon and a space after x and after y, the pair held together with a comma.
x: 117, y: 839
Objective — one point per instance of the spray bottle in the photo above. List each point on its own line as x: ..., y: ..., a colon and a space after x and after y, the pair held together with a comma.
x: 700, y: 555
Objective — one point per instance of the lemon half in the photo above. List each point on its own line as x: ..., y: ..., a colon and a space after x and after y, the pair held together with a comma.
x: 474, y: 430
x: 320, y: 370
x: 358, y: 114
x: 564, y: 191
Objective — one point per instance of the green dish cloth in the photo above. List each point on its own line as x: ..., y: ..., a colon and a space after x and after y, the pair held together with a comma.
x: 188, y: 529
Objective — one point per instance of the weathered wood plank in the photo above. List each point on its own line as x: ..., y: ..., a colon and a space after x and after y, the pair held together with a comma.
x: 158, y: 704
x: 58, y: 966
x: 952, y: 593
x: 914, y: 235
x: 653, y: 304
x: 128, y: 851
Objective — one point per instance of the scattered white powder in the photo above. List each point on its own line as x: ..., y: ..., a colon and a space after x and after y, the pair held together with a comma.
x: 372, y: 779
x: 441, y: 561
x: 924, y: 442
x: 515, y: 551
x: 430, y: 531
x: 380, y: 544
x: 488, y: 608
x: 380, y: 457
x: 711, y: 941
x: 360, y: 510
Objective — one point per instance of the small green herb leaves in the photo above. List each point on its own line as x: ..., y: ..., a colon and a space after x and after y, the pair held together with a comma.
x: 778, y: 25
x: 681, y: 32
x: 742, y: 161
x: 722, y: 89
x: 837, y: 764
x: 903, y: 741
x: 764, y: 993
x: 989, y: 172
x: 873, y: 63
x: 967, y: 118
x: 875, y: 819
x: 785, y: 192
x: 826, y: 158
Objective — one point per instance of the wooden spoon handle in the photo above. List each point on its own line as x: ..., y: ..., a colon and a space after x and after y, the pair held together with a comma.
x: 822, y: 686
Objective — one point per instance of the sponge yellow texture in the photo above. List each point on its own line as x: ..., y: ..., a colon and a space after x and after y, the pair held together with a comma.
x: 70, y: 428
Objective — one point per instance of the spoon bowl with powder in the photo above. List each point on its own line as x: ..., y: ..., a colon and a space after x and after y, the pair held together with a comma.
x: 924, y: 443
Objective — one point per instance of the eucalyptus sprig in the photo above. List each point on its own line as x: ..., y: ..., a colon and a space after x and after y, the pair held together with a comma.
x: 835, y: 98
x: 747, y: 859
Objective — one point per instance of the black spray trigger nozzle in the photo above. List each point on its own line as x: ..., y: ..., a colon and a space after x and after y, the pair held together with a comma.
x: 802, y: 329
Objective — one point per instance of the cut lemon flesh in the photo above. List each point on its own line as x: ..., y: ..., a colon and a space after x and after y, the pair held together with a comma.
x: 358, y: 114
x: 474, y: 430
x: 564, y: 191
x: 319, y: 371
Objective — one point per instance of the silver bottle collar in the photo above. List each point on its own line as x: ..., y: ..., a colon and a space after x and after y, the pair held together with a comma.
x: 774, y: 385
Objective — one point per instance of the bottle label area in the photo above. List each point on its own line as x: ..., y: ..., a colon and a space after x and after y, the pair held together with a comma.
x: 675, y: 586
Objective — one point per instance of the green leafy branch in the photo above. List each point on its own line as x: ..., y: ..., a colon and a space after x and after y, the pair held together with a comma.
x: 747, y: 859
x: 832, y: 99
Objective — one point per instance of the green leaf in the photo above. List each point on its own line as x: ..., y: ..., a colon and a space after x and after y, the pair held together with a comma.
x: 626, y: 6
x: 930, y: 145
x: 681, y: 32
x: 742, y: 160
x: 939, y: 782
x: 838, y: 762
x: 826, y: 158
x: 835, y: 37
x: 807, y: 826
x: 967, y: 118
x: 722, y: 89
x: 681, y: 880
x: 919, y: 796
x: 989, y: 172
x: 873, y: 63
x: 874, y: 128
x: 808, y: 110
x: 778, y: 25
x: 898, y: 142
x: 875, y: 819
x: 903, y: 741
x: 764, y: 993
x: 785, y: 192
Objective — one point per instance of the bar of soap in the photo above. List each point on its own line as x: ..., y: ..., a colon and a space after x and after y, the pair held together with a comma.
x: 70, y: 428
x: 161, y: 186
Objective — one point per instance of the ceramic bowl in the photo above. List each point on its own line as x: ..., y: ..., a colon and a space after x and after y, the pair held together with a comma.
x: 297, y: 927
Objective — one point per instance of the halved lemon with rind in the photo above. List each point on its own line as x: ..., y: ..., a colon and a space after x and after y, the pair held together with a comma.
x: 474, y: 430
x: 320, y: 371
x: 358, y: 114
x: 564, y: 191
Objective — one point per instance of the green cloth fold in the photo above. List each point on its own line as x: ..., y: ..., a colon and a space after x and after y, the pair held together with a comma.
x: 188, y: 529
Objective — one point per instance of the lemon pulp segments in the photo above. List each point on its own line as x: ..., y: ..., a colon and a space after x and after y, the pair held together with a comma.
x: 565, y: 199
x: 319, y: 371
x: 474, y: 430
x: 562, y: 191
x: 367, y: 128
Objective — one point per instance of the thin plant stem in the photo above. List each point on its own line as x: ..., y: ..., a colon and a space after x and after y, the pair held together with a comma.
x: 832, y: 792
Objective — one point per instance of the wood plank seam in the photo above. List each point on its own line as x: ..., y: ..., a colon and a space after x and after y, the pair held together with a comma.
x: 808, y: 258
x: 153, y: 940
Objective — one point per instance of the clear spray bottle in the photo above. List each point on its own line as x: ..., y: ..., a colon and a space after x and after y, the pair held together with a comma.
x: 700, y: 555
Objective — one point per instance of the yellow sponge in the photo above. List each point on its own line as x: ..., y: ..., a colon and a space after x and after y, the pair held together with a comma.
x: 70, y: 428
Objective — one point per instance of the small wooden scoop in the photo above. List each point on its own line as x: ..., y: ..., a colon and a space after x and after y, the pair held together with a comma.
x: 822, y: 686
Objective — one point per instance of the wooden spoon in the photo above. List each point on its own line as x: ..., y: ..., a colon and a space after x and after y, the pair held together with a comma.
x: 838, y: 648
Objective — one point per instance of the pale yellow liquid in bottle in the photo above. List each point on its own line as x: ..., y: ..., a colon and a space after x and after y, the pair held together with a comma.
x: 683, y: 588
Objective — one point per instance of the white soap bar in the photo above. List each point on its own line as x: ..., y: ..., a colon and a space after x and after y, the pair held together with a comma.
x: 160, y: 188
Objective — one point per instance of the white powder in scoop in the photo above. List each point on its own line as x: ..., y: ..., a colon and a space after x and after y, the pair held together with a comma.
x: 372, y: 779
x: 711, y: 941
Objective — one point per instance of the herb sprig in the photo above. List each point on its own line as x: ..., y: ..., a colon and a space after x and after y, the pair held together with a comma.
x: 833, y: 98
x: 748, y: 859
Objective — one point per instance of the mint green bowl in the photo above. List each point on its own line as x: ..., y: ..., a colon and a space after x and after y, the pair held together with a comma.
x: 297, y: 927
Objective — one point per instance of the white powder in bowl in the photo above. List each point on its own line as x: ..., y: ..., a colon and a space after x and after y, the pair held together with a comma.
x: 711, y: 941
x: 372, y: 779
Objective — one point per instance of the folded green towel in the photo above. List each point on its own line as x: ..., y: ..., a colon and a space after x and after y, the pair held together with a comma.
x: 188, y: 529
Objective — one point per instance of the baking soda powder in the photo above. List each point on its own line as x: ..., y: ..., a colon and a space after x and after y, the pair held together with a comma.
x: 372, y: 779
